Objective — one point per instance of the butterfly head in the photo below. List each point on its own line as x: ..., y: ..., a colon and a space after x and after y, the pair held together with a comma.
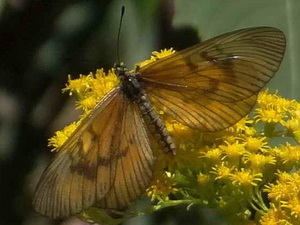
x: 121, y: 70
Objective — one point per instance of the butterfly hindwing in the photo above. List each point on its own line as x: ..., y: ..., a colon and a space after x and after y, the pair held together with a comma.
x: 133, y: 172
x: 200, y: 112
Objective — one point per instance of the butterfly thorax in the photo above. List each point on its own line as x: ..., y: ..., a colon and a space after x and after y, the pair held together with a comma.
x: 130, y: 83
x: 132, y: 86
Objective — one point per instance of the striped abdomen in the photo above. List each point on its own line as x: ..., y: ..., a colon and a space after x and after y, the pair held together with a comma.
x: 153, y: 119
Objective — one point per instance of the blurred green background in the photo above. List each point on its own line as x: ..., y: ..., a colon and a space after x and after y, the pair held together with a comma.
x: 41, y: 42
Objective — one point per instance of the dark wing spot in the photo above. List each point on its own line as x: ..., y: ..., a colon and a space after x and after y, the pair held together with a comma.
x: 85, y: 170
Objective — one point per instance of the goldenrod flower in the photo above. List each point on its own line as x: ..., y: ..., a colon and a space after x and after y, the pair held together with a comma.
x: 91, y: 88
x: 266, y: 100
x: 242, y: 125
x: 87, y: 104
x: 103, y: 83
x: 293, y: 127
x: 284, y: 177
x: 294, y: 206
x: 251, y: 131
x: 60, y: 137
x: 293, y: 124
x: 163, y: 53
x: 233, y: 151
x: 295, y: 109
x: 245, y: 178
x: 222, y: 172
x: 275, y: 216
x: 78, y: 86
x: 279, y: 192
x: 253, y: 144
x: 230, y: 138
x: 161, y: 187
x: 290, y: 154
x: 214, y: 155
x: 156, y: 55
x: 258, y: 161
x: 269, y: 115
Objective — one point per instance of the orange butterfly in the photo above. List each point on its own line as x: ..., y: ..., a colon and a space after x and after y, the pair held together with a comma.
x: 108, y: 161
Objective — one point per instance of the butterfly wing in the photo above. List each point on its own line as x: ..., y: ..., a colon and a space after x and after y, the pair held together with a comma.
x: 86, y: 167
x: 227, y: 68
x: 133, y: 172
x: 213, y: 85
x: 198, y: 112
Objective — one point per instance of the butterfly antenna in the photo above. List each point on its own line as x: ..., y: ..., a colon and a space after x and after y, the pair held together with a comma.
x: 119, y: 32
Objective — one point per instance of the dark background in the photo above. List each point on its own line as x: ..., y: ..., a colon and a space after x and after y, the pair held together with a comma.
x: 41, y: 42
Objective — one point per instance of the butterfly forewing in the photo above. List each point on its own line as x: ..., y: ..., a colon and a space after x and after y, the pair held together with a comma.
x: 92, y: 162
x: 213, y: 85
x: 228, y: 68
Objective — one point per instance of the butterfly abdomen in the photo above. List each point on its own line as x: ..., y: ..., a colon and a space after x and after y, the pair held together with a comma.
x: 154, y: 121
x: 134, y: 91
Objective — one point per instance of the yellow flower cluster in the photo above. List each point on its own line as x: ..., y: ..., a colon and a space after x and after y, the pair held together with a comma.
x: 236, y: 167
x: 250, y: 171
x: 284, y: 196
x: 91, y: 88
x: 156, y: 56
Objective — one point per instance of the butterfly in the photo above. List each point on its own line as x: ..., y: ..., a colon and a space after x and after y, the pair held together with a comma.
x: 108, y: 161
